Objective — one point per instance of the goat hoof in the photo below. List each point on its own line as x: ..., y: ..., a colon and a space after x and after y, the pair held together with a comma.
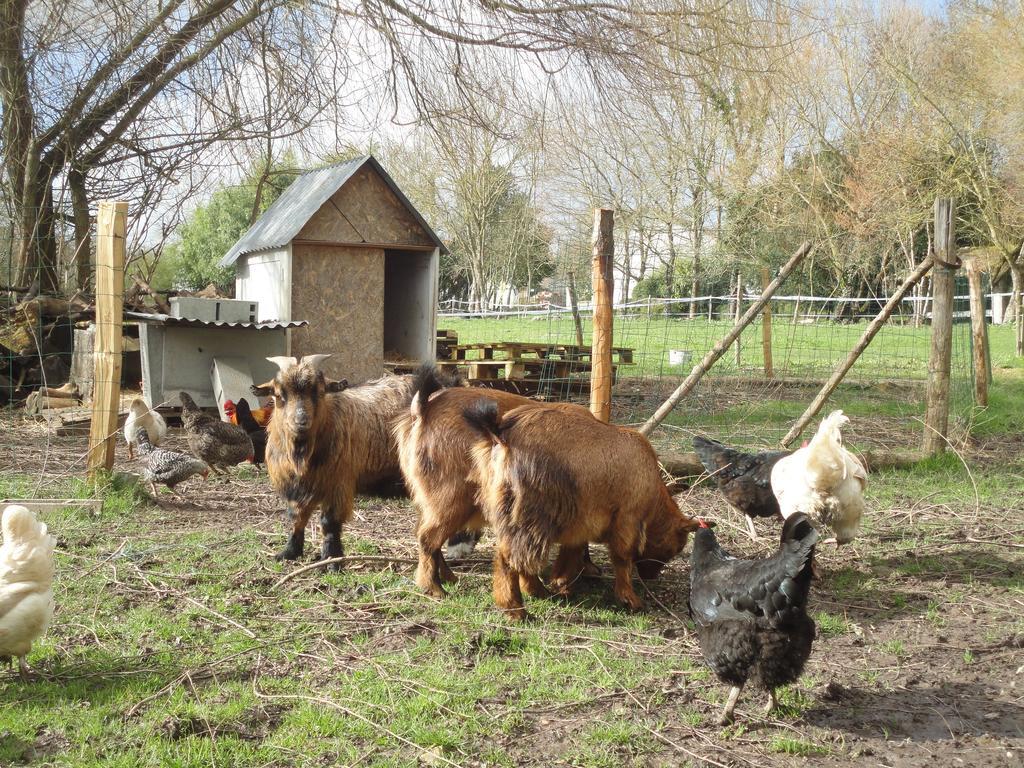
x: 288, y: 553
x: 517, y: 615
x: 591, y: 571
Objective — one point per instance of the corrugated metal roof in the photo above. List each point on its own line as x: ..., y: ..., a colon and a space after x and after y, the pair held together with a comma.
x: 185, y: 322
x: 304, y: 197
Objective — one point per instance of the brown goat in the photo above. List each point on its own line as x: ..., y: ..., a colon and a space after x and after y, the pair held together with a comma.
x: 326, y: 442
x: 434, y: 445
x: 559, y: 476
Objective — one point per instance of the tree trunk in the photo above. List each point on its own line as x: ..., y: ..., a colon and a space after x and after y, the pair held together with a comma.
x: 1017, y: 278
x: 670, y: 270
x: 83, y: 233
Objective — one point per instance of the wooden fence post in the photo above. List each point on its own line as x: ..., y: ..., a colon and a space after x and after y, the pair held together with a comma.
x: 724, y: 343
x: 766, y: 327
x: 111, y: 224
x: 601, y: 341
x: 979, y: 337
x: 936, y: 416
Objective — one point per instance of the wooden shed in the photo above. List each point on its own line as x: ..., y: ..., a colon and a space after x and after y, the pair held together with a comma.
x: 345, y: 250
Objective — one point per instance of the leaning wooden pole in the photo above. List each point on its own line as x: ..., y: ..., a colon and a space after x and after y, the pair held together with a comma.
x: 936, y: 415
x: 111, y: 224
x: 723, y: 345
x: 869, y: 333
x: 979, y: 335
x: 601, y: 341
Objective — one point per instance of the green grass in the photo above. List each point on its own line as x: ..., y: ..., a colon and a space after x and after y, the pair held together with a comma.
x: 173, y: 648
x: 788, y: 746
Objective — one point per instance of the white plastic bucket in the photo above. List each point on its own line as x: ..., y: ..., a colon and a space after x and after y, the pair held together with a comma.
x: 679, y: 356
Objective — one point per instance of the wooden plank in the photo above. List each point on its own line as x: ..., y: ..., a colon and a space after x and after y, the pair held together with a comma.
x: 111, y: 226
x: 766, y: 327
x: 936, y: 415
x: 979, y: 337
x: 55, y: 505
x: 601, y: 337
x: 720, y: 348
x: 869, y: 333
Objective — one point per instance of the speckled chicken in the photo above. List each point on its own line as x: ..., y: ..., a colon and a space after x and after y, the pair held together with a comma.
x: 745, y: 479
x: 256, y: 433
x: 165, y: 466
x: 26, y: 584
x: 216, y: 442
x: 751, y: 615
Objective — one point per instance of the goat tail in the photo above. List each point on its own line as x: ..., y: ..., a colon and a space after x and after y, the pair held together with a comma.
x: 482, y: 417
x: 427, y: 380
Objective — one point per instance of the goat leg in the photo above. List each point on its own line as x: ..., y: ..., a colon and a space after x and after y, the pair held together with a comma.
x: 569, y: 567
x: 507, y: 595
x: 532, y: 585
x: 297, y: 540
x: 330, y: 527
x: 623, y: 567
x: 431, y: 536
x: 590, y: 570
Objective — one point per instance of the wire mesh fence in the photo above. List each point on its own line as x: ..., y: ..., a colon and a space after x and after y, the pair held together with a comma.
x: 48, y: 345
x: 658, y: 342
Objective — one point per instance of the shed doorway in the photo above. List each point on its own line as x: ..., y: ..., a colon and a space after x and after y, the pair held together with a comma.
x: 410, y: 281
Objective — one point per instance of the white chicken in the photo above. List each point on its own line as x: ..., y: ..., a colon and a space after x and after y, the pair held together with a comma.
x: 141, y: 415
x: 26, y: 583
x: 823, y: 480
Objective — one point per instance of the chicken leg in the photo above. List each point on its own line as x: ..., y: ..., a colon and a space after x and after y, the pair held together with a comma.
x: 772, y: 702
x: 730, y: 705
x: 750, y: 528
x: 23, y: 669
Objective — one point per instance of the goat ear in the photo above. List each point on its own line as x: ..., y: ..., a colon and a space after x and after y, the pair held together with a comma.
x: 262, y: 390
x: 337, y: 386
x: 313, y: 360
x: 284, y: 363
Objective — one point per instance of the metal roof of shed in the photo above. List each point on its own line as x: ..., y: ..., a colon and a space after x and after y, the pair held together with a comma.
x: 289, y: 213
x: 186, y: 322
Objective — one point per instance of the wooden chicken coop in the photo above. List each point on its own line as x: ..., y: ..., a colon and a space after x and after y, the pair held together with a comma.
x: 345, y: 250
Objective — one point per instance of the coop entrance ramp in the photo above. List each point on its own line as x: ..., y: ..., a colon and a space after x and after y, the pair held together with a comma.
x: 231, y: 378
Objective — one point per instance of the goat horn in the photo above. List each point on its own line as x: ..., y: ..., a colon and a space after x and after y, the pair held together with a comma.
x: 313, y: 360
x: 284, y: 363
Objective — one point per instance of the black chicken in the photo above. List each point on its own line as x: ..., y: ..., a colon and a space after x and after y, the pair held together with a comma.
x: 751, y: 615
x: 256, y: 433
x: 745, y: 479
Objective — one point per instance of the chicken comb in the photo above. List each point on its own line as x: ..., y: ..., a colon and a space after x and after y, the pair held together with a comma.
x: 702, y: 523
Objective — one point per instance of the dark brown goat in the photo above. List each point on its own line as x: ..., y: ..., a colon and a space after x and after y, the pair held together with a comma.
x: 556, y: 475
x: 327, y: 442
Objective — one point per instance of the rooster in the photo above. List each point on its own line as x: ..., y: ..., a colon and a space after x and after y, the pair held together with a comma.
x: 823, y: 480
x: 140, y: 415
x: 743, y: 478
x: 167, y: 467
x: 751, y: 615
x: 258, y: 434
x: 216, y: 442
x: 26, y: 584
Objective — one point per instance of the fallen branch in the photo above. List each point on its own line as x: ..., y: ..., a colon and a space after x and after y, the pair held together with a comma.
x: 344, y: 559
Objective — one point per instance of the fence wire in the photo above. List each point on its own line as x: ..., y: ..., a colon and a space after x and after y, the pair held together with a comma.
x: 659, y: 341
